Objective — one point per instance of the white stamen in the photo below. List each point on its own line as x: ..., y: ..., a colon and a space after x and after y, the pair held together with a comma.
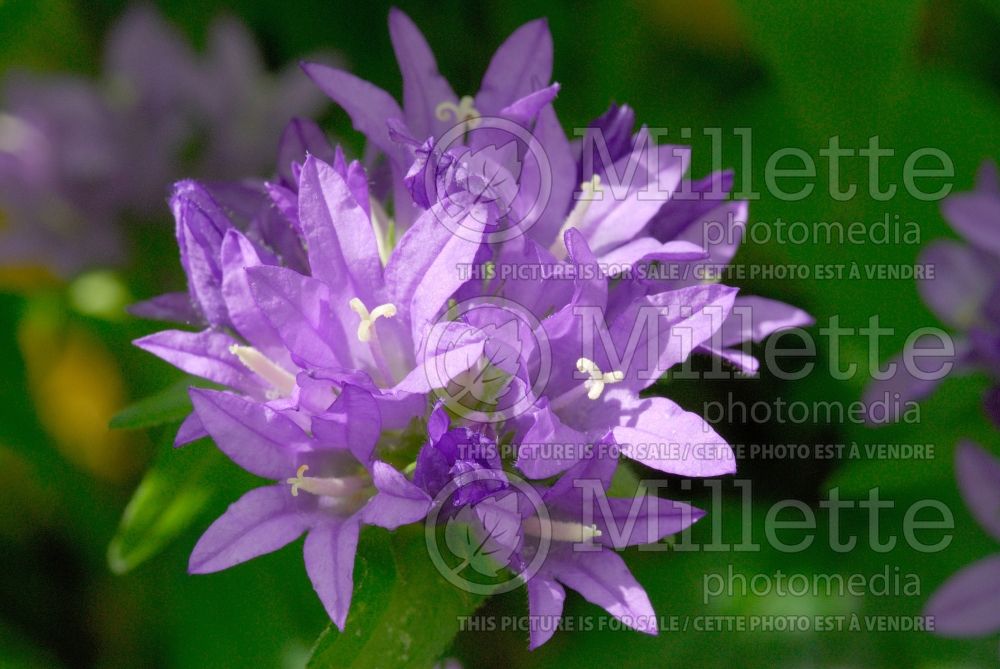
x: 559, y: 530
x: 337, y: 488
x: 588, y: 189
x: 463, y: 112
x: 265, y: 368
x: 368, y: 319
x: 598, y: 379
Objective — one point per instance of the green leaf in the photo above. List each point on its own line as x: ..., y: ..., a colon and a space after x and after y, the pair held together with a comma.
x: 170, y: 497
x: 170, y: 405
x: 404, y: 613
x: 625, y: 482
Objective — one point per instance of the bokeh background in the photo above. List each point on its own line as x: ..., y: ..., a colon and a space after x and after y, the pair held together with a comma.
x: 917, y: 74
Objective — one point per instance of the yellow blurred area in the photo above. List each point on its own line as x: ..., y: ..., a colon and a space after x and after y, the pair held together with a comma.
x: 26, y: 278
x: 77, y: 387
x: 711, y: 25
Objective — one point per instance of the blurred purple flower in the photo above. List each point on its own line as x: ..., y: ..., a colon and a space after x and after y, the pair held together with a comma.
x: 78, y: 156
x: 965, y: 294
x: 968, y: 604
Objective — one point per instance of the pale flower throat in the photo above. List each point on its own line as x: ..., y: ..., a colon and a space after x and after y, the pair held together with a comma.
x: 324, y: 487
x: 338, y: 494
x: 560, y: 530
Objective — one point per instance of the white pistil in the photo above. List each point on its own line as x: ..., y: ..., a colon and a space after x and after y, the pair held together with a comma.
x: 463, y: 112
x: 595, y: 384
x: 368, y: 318
x: 588, y: 189
x: 337, y: 488
x: 593, y: 387
x: 559, y: 530
x: 282, y: 381
x: 368, y: 334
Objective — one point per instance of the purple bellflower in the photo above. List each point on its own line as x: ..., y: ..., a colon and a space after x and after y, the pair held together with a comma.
x: 575, y: 543
x: 515, y: 87
x: 300, y: 336
x: 625, y: 227
x: 622, y: 224
x: 328, y: 484
x: 968, y: 604
x: 603, y: 353
x: 691, y: 231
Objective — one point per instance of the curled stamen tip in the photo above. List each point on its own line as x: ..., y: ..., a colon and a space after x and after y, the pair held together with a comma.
x: 358, y: 307
x: 598, y: 379
x: 446, y: 110
x: 387, y: 310
x: 297, y: 481
x: 368, y: 318
x: 465, y: 111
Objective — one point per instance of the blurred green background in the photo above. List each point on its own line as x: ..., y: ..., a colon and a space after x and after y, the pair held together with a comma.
x: 917, y: 74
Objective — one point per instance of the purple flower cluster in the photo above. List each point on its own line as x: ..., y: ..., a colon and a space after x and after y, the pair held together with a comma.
x: 965, y: 294
x: 346, y: 339
x: 76, y: 155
